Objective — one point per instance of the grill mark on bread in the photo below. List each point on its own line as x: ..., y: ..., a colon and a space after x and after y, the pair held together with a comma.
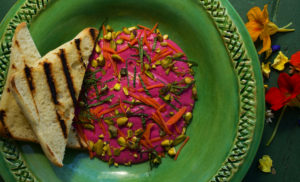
x: 67, y: 74
x: 62, y: 125
x: 29, y: 77
x: 50, y: 151
x: 2, y: 120
x: 13, y: 66
x: 17, y: 44
x: 93, y: 33
x: 50, y: 81
x: 77, y: 43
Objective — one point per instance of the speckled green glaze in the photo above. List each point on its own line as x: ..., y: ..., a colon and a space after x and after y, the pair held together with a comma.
x: 228, y: 117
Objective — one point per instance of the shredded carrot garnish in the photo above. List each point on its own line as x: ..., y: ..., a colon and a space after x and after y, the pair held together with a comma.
x: 151, y: 31
x: 124, y: 37
x: 151, y: 87
x: 96, y: 110
x: 145, y: 80
x: 179, y: 150
x: 147, y: 132
x: 107, y: 111
x: 156, y: 139
x: 177, y: 116
x: 108, y: 49
x: 133, y: 41
x: 143, y: 142
x: 157, y: 120
x: 143, y: 27
x: 162, y: 107
x: 82, y: 135
x: 163, y: 122
x: 177, y: 130
x: 121, y: 133
x: 102, y: 127
x: 172, y: 47
x: 147, y: 100
x: 165, y: 54
x: 146, y: 42
x: 121, y: 106
x: 160, y: 55
x: 139, y: 36
x: 113, y: 64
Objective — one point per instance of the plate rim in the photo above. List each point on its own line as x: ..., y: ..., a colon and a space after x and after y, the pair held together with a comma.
x: 250, y: 84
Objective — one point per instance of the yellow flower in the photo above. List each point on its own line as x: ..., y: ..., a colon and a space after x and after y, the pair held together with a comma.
x: 265, y: 164
x: 266, y: 69
x: 260, y: 26
x: 280, y: 61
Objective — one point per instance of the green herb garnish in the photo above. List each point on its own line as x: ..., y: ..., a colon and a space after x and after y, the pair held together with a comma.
x: 169, y: 103
x: 141, y: 53
x: 127, y: 72
x: 187, y: 61
x: 154, y: 44
x: 144, y: 86
x: 107, y: 99
x: 134, y: 76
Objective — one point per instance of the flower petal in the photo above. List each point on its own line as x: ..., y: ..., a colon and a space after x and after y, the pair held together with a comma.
x: 295, y: 81
x: 265, y: 164
x: 266, y: 69
x: 285, y: 84
x: 295, y: 60
x: 255, y: 14
x: 266, y: 42
x: 280, y: 61
x: 265, y: 13
x: 254, y: 29
x: 275, y: 98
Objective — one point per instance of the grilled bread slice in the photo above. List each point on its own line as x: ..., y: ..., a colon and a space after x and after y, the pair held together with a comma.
x: 48, y: 92
x: 12, y: 121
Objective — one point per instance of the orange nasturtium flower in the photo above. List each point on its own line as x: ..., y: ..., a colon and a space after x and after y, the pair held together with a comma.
x: 260, y: 26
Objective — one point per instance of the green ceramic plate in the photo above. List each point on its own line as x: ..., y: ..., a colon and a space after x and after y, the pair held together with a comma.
x: 228, y: 117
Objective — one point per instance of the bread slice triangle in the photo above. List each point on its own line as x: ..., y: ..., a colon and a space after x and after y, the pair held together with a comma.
x: 48, y: 92
x: 13, y: 123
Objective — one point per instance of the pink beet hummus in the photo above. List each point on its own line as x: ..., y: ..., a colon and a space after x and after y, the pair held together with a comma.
x: 152, y: 100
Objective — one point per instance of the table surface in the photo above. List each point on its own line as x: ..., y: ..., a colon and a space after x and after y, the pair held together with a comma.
x: 285, y: 148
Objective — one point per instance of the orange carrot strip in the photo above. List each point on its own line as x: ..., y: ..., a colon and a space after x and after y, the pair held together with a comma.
x: 121, y: 106
x: 143, y: 27
x: 107, y: 111
x: 96, y: 110
x: 163, y: 122
x: 113, y: 64
x: 151, y: 31
x: 121, y: 133
x: 143, y: 142
x: 149, y: 101
x: 102, y: 127
x: 165, y: 54
x: 161, y: 107
x: 151, y: 87
x: 124, y: 37
x: 145, y: 80
x: 104, y: 30
x: 177, y: 130
x: 148, y: 130
x: 108, y: 49
x: 133, y: 41
x: 157, y: 56
x: 146, y: 42
x: 177, y: 116
x: 139, y: 36
x: 157, y: 120
x: 179, y: 150
x: 172, y: 47
x: 156, y: 139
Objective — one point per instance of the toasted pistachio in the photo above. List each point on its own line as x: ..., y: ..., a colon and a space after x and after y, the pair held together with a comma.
x: 149, y: 74
x: 89, y: 126
x: 116, y: 164
x: 109, y: 121
x: 107, y: 36
x: 188, y: 80
x: 138, y: 132
x: 111, y: 161
x: 132, y: 36
x: 132, y: 28
x: 164, y: 44
x: 192, y: 72
x: 157, y: 50
x: 160, y: 37
x: 165, y: 143
x: 113, y: 45
x: 116, y: 151
x: 166, y: 36
x: 126, y: 31
x: 166, y: 63
x: 113, y: 131
x: 134, y: 139
x: 108, y: 150
x: 135, y: 155
x: 122, y: 121
x: 125, y: 90
x: 153, y: 66
x: 187, y: 117
x: 172, y: 151
x: 178, y: 55
x: 81, y: 104
x: 194, y: 92
x: 101, y: 136
x: 122, y: 148
x: 116, y: 57
x: 101, y: 60
x: 162, y: 133
x: 117, y: 87
x: 120, y: 41
x: 147, y: 66
x: 118, y: 33
x: 129, y: 133
x: 94, y: 63
x: 157, y: 160
x: 167, y: 97
x: 179, y: 139
x: 116, y: 111
x: 97, y: 49
x: 171, y: 113
x: 157, y: 31
x: 122, y: 141
x: 109, y: 28
x: 98, y: 147
x: 129, y: 124
x: 132, y: 145
x: 113, y: 35
x: 91, y: 144
x: 183, y: 131
x: 128, y: 163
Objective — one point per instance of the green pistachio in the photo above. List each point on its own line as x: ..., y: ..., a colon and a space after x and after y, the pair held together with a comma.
x: 98, y: 147
x: 97, y: 49
x: 109, y: 28
x: 116, y: 57
x: 122, y: 121
x: 91, y: 144
x: 160, y: 37
x: 125, y: 90
x: 107, y: 36
x: 138, y: 132
x: 172, y: 152
x: 116, y: 151
x: 164, y: 44
x: 113, y: 131
x: 165, y: 143
x: 179, y: 139
x: 111, y: 161
x: 166, y: 36
x: 132, y: 36
x: 94, y: 63
x: 113, y: 45
x: 117, y: 86
x: 122, y: 141
x: 187, y: 117
x: 178, y: 55
x: 167, y: 97
x: 147, y: 66
x: 129, y: 124
x: 126, y: 31
x: 109, y: 121
x: 120, y: 41
x: 129, y: 133
x: 89, y: 126
x: 101, y: 60
x: 188, y: 80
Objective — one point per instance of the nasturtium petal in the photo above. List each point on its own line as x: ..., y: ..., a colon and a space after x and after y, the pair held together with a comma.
x: 280, y: 61
x: 265, y: 164
x: 266, y: 69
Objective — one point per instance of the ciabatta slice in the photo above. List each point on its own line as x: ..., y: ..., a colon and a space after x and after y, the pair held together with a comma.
x: 48, y: 92
x: 12, y: 121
